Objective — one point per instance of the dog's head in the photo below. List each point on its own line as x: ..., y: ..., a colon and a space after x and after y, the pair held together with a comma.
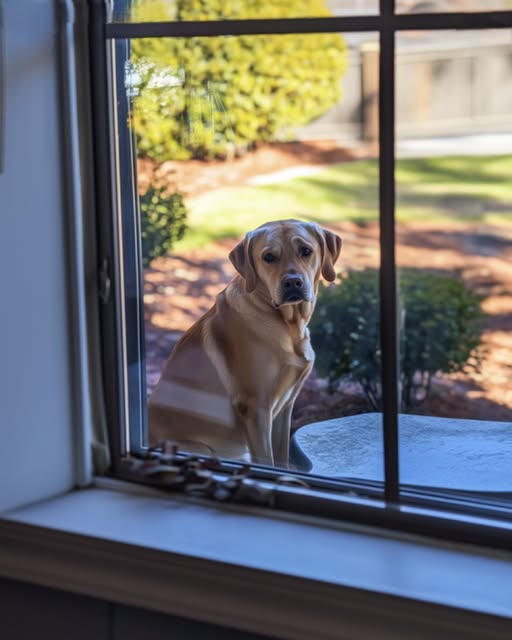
x: 283, y: 260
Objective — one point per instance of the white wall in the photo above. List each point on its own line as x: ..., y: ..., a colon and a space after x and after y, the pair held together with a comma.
x: 35, y: 407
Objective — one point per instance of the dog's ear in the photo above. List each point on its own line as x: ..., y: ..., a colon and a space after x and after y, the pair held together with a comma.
x: 242, y: 260
x: 330, y: 247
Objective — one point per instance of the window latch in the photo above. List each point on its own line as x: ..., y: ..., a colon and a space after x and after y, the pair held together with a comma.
x: 105, y: 283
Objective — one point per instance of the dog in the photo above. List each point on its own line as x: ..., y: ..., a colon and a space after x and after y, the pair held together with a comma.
x: 230, y: 383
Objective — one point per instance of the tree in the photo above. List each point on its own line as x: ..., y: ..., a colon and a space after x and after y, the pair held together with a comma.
x: 212, y: 97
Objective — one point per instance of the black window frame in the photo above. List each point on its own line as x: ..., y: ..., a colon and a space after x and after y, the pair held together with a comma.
x: 448, y: 516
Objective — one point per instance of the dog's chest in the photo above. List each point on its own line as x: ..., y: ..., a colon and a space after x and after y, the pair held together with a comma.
x: 284, y: 363
x: 297, y: 349
x: 290, y: 369
x: 287, y: 385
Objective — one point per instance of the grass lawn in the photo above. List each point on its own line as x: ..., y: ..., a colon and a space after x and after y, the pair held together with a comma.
x: 472, y: 189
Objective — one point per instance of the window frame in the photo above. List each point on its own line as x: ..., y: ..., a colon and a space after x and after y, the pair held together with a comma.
x: 461, y: 517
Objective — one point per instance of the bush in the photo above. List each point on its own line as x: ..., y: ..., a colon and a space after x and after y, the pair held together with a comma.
x: 441, y: 324
x: 163, y: 222
x: 211, y: 97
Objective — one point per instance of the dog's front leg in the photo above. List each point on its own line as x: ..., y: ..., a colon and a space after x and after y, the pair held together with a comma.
x: 281, y: 435
x: 258, y: 428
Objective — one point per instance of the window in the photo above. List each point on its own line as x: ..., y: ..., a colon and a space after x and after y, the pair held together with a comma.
x: 179, y: 95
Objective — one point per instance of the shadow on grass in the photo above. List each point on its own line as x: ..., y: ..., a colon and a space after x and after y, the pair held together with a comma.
x: 469, y: 242
x: 456, y: 188
x: 464, y: 207
x: 316, y: 193
x: 489, y: 170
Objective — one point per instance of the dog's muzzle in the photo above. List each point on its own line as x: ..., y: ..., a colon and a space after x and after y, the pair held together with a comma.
x: 293, y: 288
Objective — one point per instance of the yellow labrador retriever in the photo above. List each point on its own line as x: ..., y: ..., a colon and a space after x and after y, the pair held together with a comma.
x: 229, y: 385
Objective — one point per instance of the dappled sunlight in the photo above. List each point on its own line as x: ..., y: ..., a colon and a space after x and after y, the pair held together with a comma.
x: 472, y: 188
x: 499, y: 306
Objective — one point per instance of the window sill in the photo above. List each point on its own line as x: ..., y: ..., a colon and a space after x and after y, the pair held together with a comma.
x: 285, y: 576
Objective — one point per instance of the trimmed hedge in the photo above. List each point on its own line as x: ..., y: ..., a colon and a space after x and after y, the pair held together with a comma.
x: 213, y: 97
x: 441, y: 325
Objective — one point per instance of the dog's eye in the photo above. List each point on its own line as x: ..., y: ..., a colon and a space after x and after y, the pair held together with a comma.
x: 305, y: 252
x: 269, y: 257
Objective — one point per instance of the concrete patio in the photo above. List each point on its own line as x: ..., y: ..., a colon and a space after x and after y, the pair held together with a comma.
x: 471, y: 455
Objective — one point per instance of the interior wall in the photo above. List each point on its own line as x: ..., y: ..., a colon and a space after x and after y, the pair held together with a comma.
x: 35, y: 411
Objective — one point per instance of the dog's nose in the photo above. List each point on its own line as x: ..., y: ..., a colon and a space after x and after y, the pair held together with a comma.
x: 292, y: 283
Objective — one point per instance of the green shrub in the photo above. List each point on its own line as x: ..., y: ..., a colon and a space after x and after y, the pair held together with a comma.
x: 211, y: 97
x: 441, y: 324
x: 163, y: 221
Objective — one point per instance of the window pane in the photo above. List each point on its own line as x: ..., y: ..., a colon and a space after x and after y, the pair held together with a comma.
x: 454, y: 235
x: 158, y: 10
x: 270, y: 128
x: 433, y: 6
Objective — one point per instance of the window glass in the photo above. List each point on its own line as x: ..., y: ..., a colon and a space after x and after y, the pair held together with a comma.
x: 231, y: 133
x: 433, y: 6
x: 454, y: 250
x: 176, y: 10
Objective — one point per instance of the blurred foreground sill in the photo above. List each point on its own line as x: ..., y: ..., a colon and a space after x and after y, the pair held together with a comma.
x: 281, y: 575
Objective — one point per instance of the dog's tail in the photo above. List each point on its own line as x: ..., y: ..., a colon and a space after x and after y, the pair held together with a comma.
x: 298, y: 459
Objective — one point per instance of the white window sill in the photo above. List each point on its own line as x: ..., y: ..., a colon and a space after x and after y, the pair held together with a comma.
x: 285, y: 576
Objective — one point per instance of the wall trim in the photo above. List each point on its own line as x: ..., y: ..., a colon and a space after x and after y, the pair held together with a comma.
x: 244, y: 598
